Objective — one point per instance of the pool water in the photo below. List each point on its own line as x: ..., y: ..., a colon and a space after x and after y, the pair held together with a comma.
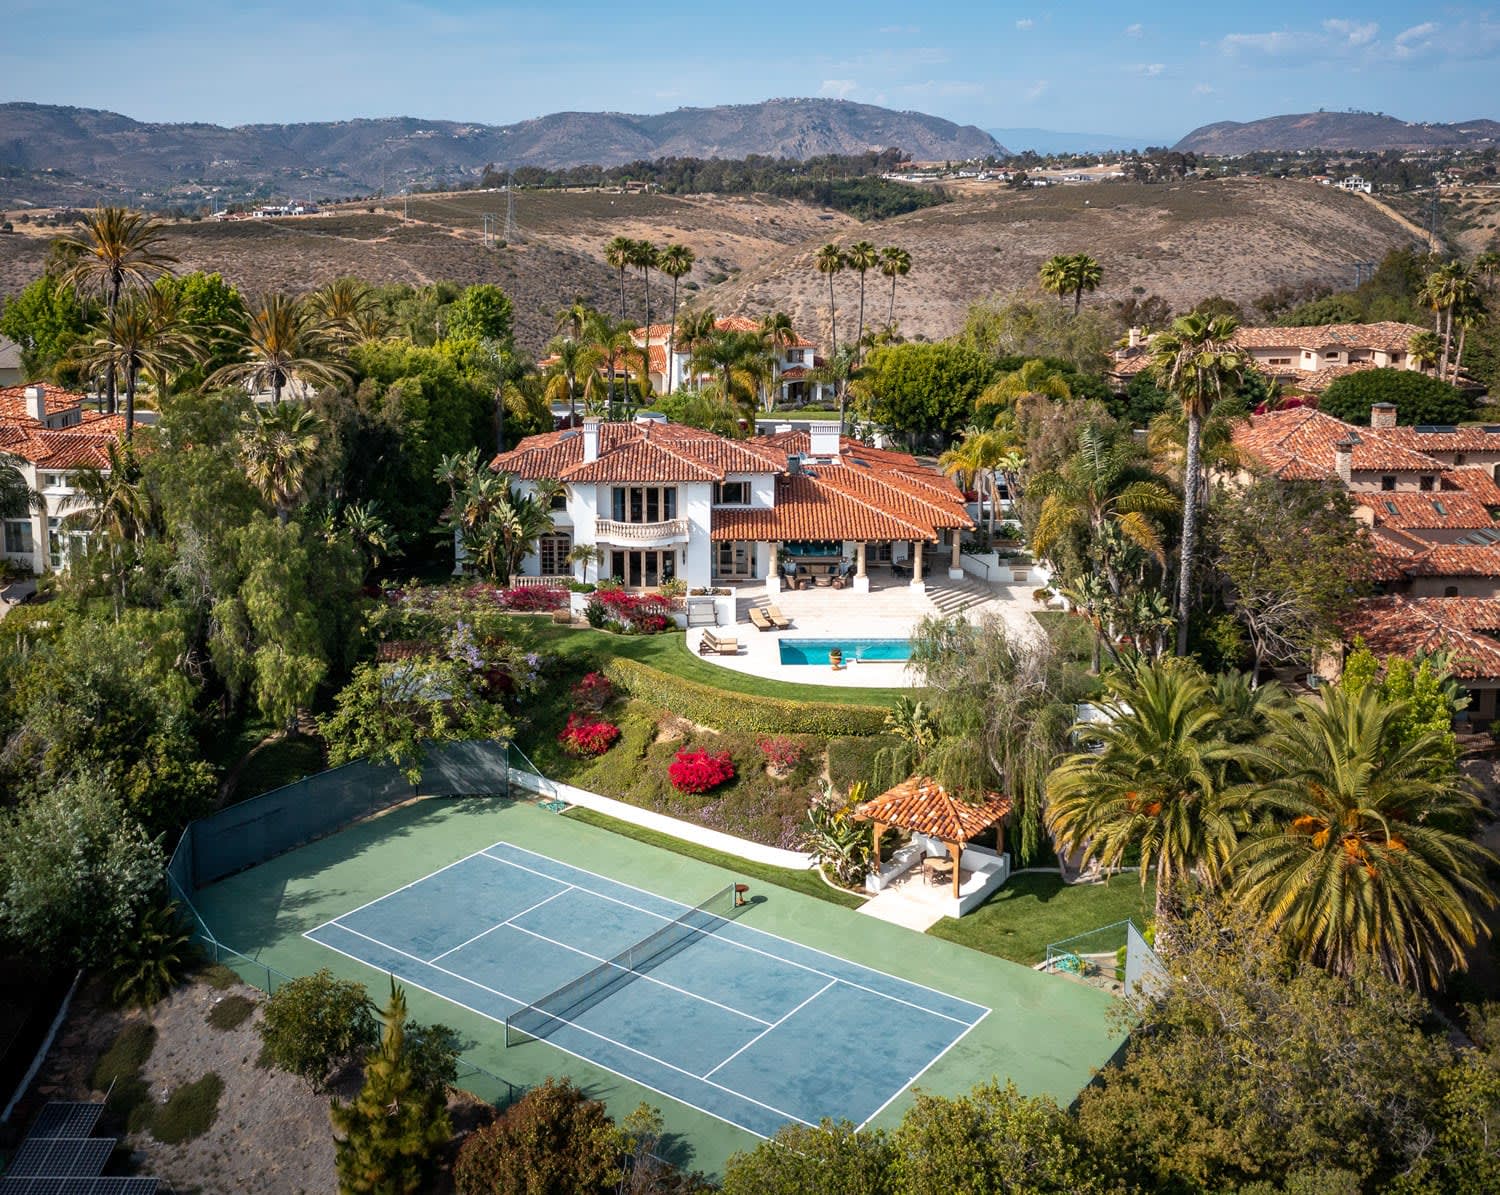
x: 815, y: 651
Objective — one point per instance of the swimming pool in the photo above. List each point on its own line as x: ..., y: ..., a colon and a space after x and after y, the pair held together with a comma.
x: 872, y: 651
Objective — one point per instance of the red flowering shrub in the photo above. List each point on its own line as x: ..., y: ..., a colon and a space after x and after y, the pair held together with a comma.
x: 782, y: 754
x: 534, y: 599
x: 585, y: 735
x: 593, y: 691
x: 696, y: 771
x: 647, y: 613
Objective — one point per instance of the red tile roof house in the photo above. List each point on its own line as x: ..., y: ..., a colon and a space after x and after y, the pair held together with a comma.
x: 667, y: 502
x: 48, y: 435
x: 1430, y: 499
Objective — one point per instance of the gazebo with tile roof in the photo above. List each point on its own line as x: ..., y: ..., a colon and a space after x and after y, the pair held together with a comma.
x: 923, y: 806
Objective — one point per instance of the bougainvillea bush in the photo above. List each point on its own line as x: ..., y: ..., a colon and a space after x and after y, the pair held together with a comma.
x: 696, y: 770
x: 534, y: 599
x: 593, y: 691
x: 586, y: 735
x: 644, y: 613
x: 782, y: 754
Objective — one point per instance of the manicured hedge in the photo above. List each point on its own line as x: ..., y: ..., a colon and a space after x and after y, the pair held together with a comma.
x: 723, y: 710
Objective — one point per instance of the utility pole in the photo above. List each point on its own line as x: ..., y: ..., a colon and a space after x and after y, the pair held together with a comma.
x: 510, y: 207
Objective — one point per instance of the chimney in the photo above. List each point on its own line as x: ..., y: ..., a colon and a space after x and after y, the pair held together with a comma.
x: 1137, y: 335
x: 1382, y: 415
x: 36, y: 402
x: 1343, y: 459
x: 824, y: 439
x: 590, y: 439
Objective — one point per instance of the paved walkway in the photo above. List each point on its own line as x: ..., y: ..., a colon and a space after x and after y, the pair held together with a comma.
x: 890, y: 610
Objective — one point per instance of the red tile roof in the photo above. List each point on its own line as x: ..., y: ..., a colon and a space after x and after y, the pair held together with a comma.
x: 1469, y: 438
x: 1476, y: 483
x: 1386, y: 335
x: 638, y: 452
x: 1299, y: 442
x: 83, y: 442
x: 924, y: 806
x: 731, y: 323
x: 1407, y: 626
x: 1442, y: 510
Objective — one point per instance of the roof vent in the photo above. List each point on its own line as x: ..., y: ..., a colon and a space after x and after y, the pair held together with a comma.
x: 794, y: 463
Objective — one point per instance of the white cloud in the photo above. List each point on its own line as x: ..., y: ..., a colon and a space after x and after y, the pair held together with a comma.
x: 1148, y: 70
x: 1036, y: 90
x: 1417, y: 38
x: 1280, y: 42
x: 838, y: 88
x: 1134, y: 30
x: 1352, y: 33
x: 1025, y: 23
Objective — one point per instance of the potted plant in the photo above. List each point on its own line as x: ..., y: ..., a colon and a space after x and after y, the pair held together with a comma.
x: 836, y: 658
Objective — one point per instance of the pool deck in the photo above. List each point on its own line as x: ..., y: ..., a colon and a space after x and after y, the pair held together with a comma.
x: 890, y: 610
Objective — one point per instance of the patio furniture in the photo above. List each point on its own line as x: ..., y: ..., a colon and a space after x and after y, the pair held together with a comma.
x: 711, y: 644
x: 823, y: 581
x: 900, y: 570
x: 761, y: 620
x: 775, y: 615
x: 936, y: 869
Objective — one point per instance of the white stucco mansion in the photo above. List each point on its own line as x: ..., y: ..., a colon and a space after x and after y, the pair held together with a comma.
x: 665, y: 502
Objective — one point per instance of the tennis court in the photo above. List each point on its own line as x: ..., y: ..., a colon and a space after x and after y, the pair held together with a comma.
x: 744, y: 1025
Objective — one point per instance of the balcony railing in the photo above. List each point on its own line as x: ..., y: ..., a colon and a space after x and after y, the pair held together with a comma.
x: 668, y: 531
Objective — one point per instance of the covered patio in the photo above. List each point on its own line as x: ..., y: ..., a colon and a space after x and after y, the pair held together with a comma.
x: 937, y: 870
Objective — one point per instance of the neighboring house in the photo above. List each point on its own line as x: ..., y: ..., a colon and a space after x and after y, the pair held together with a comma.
x: 664, y: 502
x: 1355, y: 183
x: 10, y: 363
x: 1307, y: 359
x: 50, y: 436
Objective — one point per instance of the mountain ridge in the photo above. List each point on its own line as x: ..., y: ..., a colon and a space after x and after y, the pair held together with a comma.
x: 1368, y: 131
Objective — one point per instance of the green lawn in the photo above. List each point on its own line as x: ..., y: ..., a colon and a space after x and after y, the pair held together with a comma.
x: 806, y: 882
x: 1036, y: 908
x: 669, y: 652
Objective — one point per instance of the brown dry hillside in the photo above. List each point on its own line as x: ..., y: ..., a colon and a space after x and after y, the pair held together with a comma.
x: 1238, y: 238
x: 559, y: 252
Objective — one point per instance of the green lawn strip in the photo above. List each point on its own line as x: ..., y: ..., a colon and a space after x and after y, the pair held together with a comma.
x: 669, y: 652
x: 1037, y: 908
x: 806, y: 882
x: 279, y: 763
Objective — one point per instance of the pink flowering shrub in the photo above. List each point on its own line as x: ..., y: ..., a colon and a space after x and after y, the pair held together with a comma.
x: 646, y: 613
x: 593, y: 691
x: 696, y: 771
x: 534, y: 599
x: 782, y: 754
x: 585, y: 735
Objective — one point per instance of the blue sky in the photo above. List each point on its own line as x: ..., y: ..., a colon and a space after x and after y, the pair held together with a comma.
x: 1150, y: 70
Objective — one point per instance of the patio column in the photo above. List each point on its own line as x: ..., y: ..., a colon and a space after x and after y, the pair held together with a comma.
x: 955, y: 566
x: 917, y: 581
x: 861, y: 577
x: 956, y: 849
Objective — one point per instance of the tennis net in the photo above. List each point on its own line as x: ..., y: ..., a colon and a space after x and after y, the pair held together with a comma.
x: 559, y: 1007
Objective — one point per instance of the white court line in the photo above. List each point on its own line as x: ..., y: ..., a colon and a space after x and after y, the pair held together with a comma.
x: 768, y: 1028
x: 745, y: 945
x: 414, y: 883
x: 563, y: 1049
x: 913, y: 1080
x: 631, y: 971
x: 739, y: 1095
x: 498, y: 925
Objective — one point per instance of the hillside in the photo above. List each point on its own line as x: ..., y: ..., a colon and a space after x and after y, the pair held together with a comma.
x: 1238, y: 238
x: 49, y: 153
x: 1334, y: 130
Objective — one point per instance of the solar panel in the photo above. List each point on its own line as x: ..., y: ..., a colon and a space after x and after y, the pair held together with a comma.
x: 78, y: 1186
x: 61, y: 1119
x: 61, y: 1157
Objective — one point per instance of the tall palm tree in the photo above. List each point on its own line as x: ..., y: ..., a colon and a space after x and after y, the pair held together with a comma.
x: 1487, y: 267
x: 342, y: 308
x: 779, y: 334
x: 1195, y: 361
x: 837, y: 371
x: 617, y: 253
x: 282, y: 342
x: 1071, y: 274
x: 676, y: 263
x: 116, y: 248
x: 645, y: 256
x: 975, y: 460
x: 895, y: 262
x: 693, y: 328
x: 132, y: 341
x: 278, y: 448
x: 1359, y: 857
x: 1035, y: 379
x: 1153, y: 779
x: 861, y: 257
x: 1448, y: 288
x: 611, y: 340
x: 574, y: 359
x: 738, y: 359
x: 571, y: 320
x: 830, y: 261
x: 1467, y: 316
x: 1424, y: 348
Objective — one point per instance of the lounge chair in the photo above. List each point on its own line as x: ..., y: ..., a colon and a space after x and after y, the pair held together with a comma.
x: 711, y: 644
x: 776, y: 616
x: 762, y: 620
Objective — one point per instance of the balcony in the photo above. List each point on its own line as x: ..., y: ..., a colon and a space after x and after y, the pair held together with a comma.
x: 641, y: 535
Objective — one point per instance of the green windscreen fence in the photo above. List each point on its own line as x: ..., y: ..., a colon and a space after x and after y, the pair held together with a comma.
x: 268, y: 825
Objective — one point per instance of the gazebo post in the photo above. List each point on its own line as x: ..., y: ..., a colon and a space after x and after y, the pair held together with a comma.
x: 875, y: 844
x: 956, y: 849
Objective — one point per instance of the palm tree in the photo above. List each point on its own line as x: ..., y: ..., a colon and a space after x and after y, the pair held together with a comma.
x: 342, y: 310
x: 1358, y: 858
x: 1153, y: 780
x: 283, y: 342
x: 676, y: 263
x: 738, y: 358
x: 1035, y: 379
x: 861, y: 257
x: 976, y: 458
x: 1487, y: 267
x: 838, y: 371
x: 370, y: 533
x: 611, y: 340
x: 779, y: 334
x: 1195, y: 361
x: 645, y: 256
x: 1468, y: 315
x: 1424, y: 348
x: 895, y: 262
x: 573, y: 319
x: 1448, y: 288
x: 132, y: 340
x: 830, y: 261
x: 113, y: 505
x: 1071, y: 274
x: 278, y: 448
x: 618, y: 254
x: 116, y: 248
x: 572, y: 359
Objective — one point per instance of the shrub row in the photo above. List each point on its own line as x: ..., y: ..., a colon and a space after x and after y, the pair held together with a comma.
x: 723, y: 710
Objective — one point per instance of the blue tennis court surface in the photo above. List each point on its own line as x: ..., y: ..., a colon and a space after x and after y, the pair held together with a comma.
x: 744, y: 1025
